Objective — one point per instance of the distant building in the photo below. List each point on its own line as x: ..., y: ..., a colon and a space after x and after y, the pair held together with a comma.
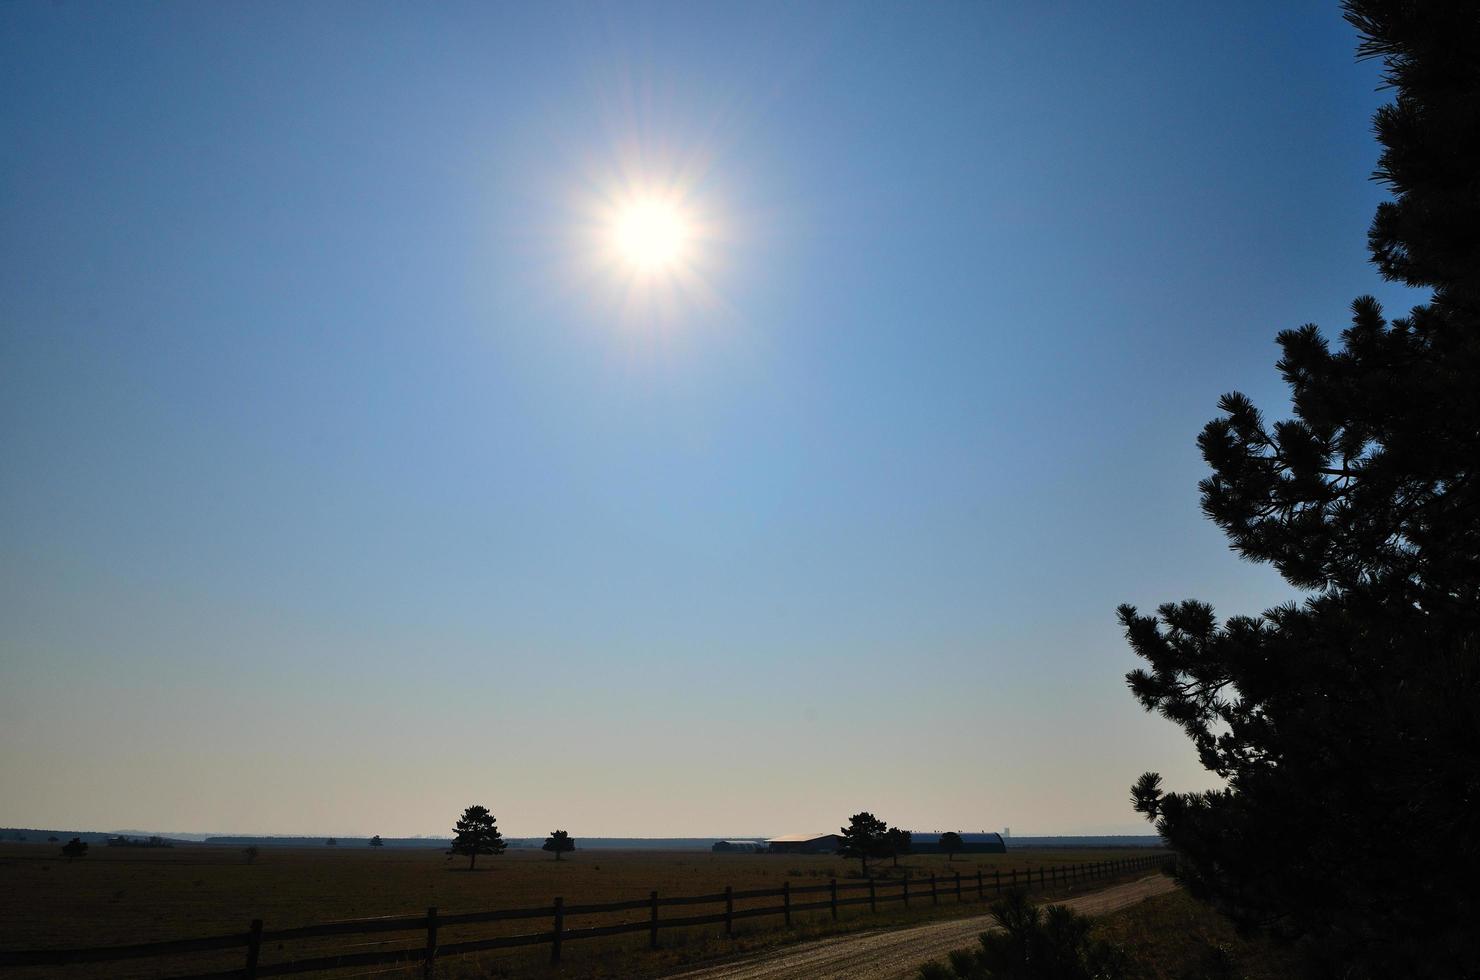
x: 928, y: 842
x: 805, y: 844
x: 739, y: 847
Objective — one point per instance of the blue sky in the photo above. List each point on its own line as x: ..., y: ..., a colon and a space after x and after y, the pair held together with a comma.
x: 341, y: 489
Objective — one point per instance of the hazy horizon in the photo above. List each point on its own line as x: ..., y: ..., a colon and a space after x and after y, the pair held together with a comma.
x: 355, y: 474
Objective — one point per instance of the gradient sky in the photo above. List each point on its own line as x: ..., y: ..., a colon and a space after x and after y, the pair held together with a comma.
x: 337, y: 492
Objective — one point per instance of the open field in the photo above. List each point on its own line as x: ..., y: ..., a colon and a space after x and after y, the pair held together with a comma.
x: 117, y: 896
x: 1172, y: 936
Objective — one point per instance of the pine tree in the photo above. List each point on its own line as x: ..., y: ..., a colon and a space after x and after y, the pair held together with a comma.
x: 1346, y: 729
x: 475, y: 833
x: 898, y: 842
x: 560, y: 843
x: 951, y: 843
x: 864, y: 837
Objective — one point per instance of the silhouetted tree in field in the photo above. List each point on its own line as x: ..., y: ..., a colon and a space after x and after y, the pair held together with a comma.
x: 74, y: 849
x: 250, y: 852
x: 951, y: 843
x: 560, y: 843
x: 1346, y: 729
x: 376, y: 841
x: 864, y: 837
x: 332, y: 842
x: 898, y: 842
x: 476, y: 833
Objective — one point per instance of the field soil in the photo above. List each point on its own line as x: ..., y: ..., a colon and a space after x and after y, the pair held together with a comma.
x: 897, y: 954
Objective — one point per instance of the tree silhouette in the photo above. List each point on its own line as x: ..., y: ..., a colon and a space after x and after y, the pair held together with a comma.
x: 559, y: 842
x: 476, y: 833
x: 250, y: 852
x: 1345, y: 729
x: 74, y: 849
x: 332, y: 842
x: 951, y: 843
x: 863, y: 838
x: 376, y: 841
x: 898, y: 842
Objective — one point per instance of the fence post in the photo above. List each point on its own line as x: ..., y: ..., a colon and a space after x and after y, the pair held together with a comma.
x: 996, y: 881
x: 429, y: 966
x: 653, y: 920
x: 729, y: 910
x: 1013, y: 883
x: 873, y: 905
x: 254, y: 948
x: 1040, y: 877
x: 833, y: 896
x: 981, y: 891
x: 906, y: 891
x: 934, y: 898
x: 786, y: 901
x: 559, y: 927
x: 958, y: 886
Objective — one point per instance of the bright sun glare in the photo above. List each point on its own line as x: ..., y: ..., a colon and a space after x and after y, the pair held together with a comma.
x: 649, y: 245
x: 651, y: 235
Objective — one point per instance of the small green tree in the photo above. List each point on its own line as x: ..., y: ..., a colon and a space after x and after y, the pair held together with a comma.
x: 475, y: 833
x: 376, y: 841
x: 951, y: 843
x: 864, y: 837
x: 898, y: 842
x: 74, y: 849
x: 560, y: 843
x: 1048, y: 944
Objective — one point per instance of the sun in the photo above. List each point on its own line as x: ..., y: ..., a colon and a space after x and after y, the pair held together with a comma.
x: 651, y: 235
x: 650, y: 244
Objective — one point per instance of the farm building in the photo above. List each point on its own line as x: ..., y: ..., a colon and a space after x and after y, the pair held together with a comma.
x: 928, y: 842
x: 739, y: 847
x: 805, y: 844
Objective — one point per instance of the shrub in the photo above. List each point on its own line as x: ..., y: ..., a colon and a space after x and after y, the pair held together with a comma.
x: 1052, y: 943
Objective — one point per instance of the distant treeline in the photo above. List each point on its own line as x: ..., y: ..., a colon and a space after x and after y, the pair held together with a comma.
x: 34, y: 835
x: 113, y: 838
x: 442, y: 843
x: 1106, y: 840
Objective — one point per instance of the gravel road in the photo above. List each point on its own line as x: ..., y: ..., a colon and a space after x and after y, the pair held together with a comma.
x: 896, y: 954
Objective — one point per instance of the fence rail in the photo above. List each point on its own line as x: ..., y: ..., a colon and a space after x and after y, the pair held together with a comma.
x: 880, y: 890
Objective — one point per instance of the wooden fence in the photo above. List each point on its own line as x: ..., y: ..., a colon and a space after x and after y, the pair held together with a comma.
x: 877, y: 891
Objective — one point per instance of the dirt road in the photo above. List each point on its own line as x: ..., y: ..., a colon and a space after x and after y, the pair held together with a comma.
x: 896, y: 954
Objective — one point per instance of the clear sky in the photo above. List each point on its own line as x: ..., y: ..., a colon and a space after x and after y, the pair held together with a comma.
x: 346, y: 481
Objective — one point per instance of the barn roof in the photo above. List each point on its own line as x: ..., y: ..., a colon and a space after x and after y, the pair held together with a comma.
x: 799, y: 838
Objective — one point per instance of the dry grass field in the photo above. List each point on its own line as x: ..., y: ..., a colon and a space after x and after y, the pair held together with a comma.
x: 118, y: 896
x: 1172, y: 936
